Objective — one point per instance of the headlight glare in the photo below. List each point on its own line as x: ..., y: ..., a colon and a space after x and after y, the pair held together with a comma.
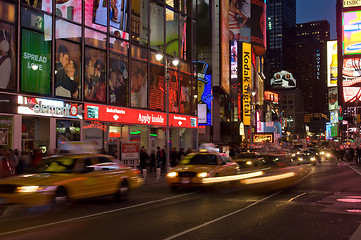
x: 313, y: 159
x: 202, y: 174
x: 172, y: 174
x: 328, y: 155
x: 28, y: 189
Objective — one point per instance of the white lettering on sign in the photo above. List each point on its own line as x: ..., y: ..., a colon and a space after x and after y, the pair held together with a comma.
x: 158, y: 119
x: 144, y: 118
x: 180, y: 118
x: 114, y: 110
x: 53, y: 110
x: 150, y: 118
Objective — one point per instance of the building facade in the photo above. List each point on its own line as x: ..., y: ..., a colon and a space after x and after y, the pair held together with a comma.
x: 86, y: 71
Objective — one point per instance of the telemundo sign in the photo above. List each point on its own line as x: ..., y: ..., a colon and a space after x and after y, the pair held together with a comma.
x: 351, y: 3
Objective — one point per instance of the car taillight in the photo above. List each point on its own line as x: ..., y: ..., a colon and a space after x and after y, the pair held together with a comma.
x: 137, y: 172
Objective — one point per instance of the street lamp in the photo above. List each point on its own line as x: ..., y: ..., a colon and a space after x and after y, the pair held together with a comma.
x: 175, y: 61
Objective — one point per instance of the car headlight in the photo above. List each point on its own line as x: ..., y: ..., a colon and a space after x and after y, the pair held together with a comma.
x: 328, y: 155
x: 202, y: 174
x: 313, y: 159
x: 172, y: 174
x: 322, y: 153
x: 32, y: 189
x: 300, y: 159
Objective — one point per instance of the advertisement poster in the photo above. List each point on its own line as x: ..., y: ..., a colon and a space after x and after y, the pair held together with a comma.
x: 67, y: 69
x: 352, y: 33
x: 6, y: 132
x: 138, y: 85
x: 204, y: 96
x: 94, y: 75
x: 225, y: 74
x: 246, y: 83
x: 185, y: 92
x: 118, y: 17
x: 130, y: 151
x: 93, y: 132
x: 118, y: 80
x: 332, y: 63
x: 332, y: 99
x: 351, y: 79
x: 283, y: 79
x: 35, y: 63
x: 258, y: 25
x: 351, y: 3
x: 7, y: 56
x: 239, y: 20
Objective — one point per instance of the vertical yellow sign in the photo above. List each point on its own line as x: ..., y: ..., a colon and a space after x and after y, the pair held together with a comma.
x: 246, y: 82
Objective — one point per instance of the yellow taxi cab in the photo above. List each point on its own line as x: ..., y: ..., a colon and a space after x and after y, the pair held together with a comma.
x: 62, y: 178
x: 204, y: 168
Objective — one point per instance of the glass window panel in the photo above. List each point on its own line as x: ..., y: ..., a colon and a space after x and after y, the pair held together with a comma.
x: 183, y: 37
x: 139, y: 24
x: 45, y: 5
x: 69, y: 9
x: 67, y: 30
x: 156, y: 88
x: 170, y: 3
x: 194, y: 9
x: 156, y: 26
x: 185, y: 6
x: 138, y: 87
x: 35, y: 62
x: 67, y: 130
x: 67, y: 69
x: 96, y: 14
x: 37, y: 21
x: 95, y: 38
x: 7, y: 12
x: 119, y: 46
x: 172, y: 37
x: 7, y: 56
x: 118, y: 80
x: 118, y: 10
x: 94, y: 75
x: 174, y: 91
x: 139, y: 53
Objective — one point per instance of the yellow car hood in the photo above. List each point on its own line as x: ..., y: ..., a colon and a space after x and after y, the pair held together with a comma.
x: 195, y: 168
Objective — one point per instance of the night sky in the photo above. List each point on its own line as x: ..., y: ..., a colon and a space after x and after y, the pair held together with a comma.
x: 313, y: 10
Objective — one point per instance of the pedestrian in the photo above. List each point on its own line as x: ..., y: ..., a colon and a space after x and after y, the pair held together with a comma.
x: 143, y: 158
x: 181, y: 154
x: 358, y: 155
x: 160, y: 158
x: 174, y: 157
x: 152, y: 158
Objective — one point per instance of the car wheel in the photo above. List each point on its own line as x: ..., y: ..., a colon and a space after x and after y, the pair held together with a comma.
x: 60, y: 199
x: 123, y: 190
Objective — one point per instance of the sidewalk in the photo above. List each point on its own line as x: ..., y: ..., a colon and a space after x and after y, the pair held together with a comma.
x: 152, y: 178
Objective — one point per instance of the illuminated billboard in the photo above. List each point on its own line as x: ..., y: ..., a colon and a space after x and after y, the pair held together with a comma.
x: 246, y: 75
x: 225, y: 71
x: 332, y: 63
x: 205, y: 97
x: 332, y: 99
x: 258, y: 24
x: 351, y: 3
x: 351, y: 79
x: 240, y: 21
x: 283, y: 79
x: 351, y: 32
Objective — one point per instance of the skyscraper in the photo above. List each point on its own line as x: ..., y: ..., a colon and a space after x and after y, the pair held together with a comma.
x: 311, y: 64
x: 281, y: 22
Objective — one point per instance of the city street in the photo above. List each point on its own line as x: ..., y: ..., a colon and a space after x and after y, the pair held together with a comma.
x: 322, y: 203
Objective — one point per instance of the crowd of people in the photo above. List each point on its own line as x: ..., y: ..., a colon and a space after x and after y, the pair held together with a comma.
x: 157, y: 158
x: 14, y: 162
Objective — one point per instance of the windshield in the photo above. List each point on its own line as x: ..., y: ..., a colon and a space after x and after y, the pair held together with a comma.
x: 199, y: 159
x: 56, y: 165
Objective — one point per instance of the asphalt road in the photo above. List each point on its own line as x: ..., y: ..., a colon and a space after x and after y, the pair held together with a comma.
x: 322, y: 202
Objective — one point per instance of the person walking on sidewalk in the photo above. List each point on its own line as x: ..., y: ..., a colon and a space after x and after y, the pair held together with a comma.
x: 143, y: 158
x: 160, y: 158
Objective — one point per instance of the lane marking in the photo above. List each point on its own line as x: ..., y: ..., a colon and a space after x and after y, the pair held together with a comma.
x: 291, y: 199
x: 356, y: 235
x: 94, y: 215
x: 355, y: 169
x: 220, y: 218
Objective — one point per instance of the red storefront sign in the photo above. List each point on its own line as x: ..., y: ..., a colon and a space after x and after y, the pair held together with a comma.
x: 136, y: 116
x: 177, y: 120
x: 124, y: 115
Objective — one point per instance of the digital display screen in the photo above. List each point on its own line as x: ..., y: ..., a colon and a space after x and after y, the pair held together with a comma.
x: 352, y: 32
x: 93, y: 112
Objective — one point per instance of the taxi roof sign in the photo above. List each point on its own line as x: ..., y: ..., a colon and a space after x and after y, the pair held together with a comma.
x: 77, y: 147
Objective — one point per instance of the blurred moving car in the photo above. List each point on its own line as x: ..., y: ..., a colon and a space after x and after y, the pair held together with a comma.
x: 61, y: 178
x: 309, y: 156
x: 203, y: 168
x: 248, y: 159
